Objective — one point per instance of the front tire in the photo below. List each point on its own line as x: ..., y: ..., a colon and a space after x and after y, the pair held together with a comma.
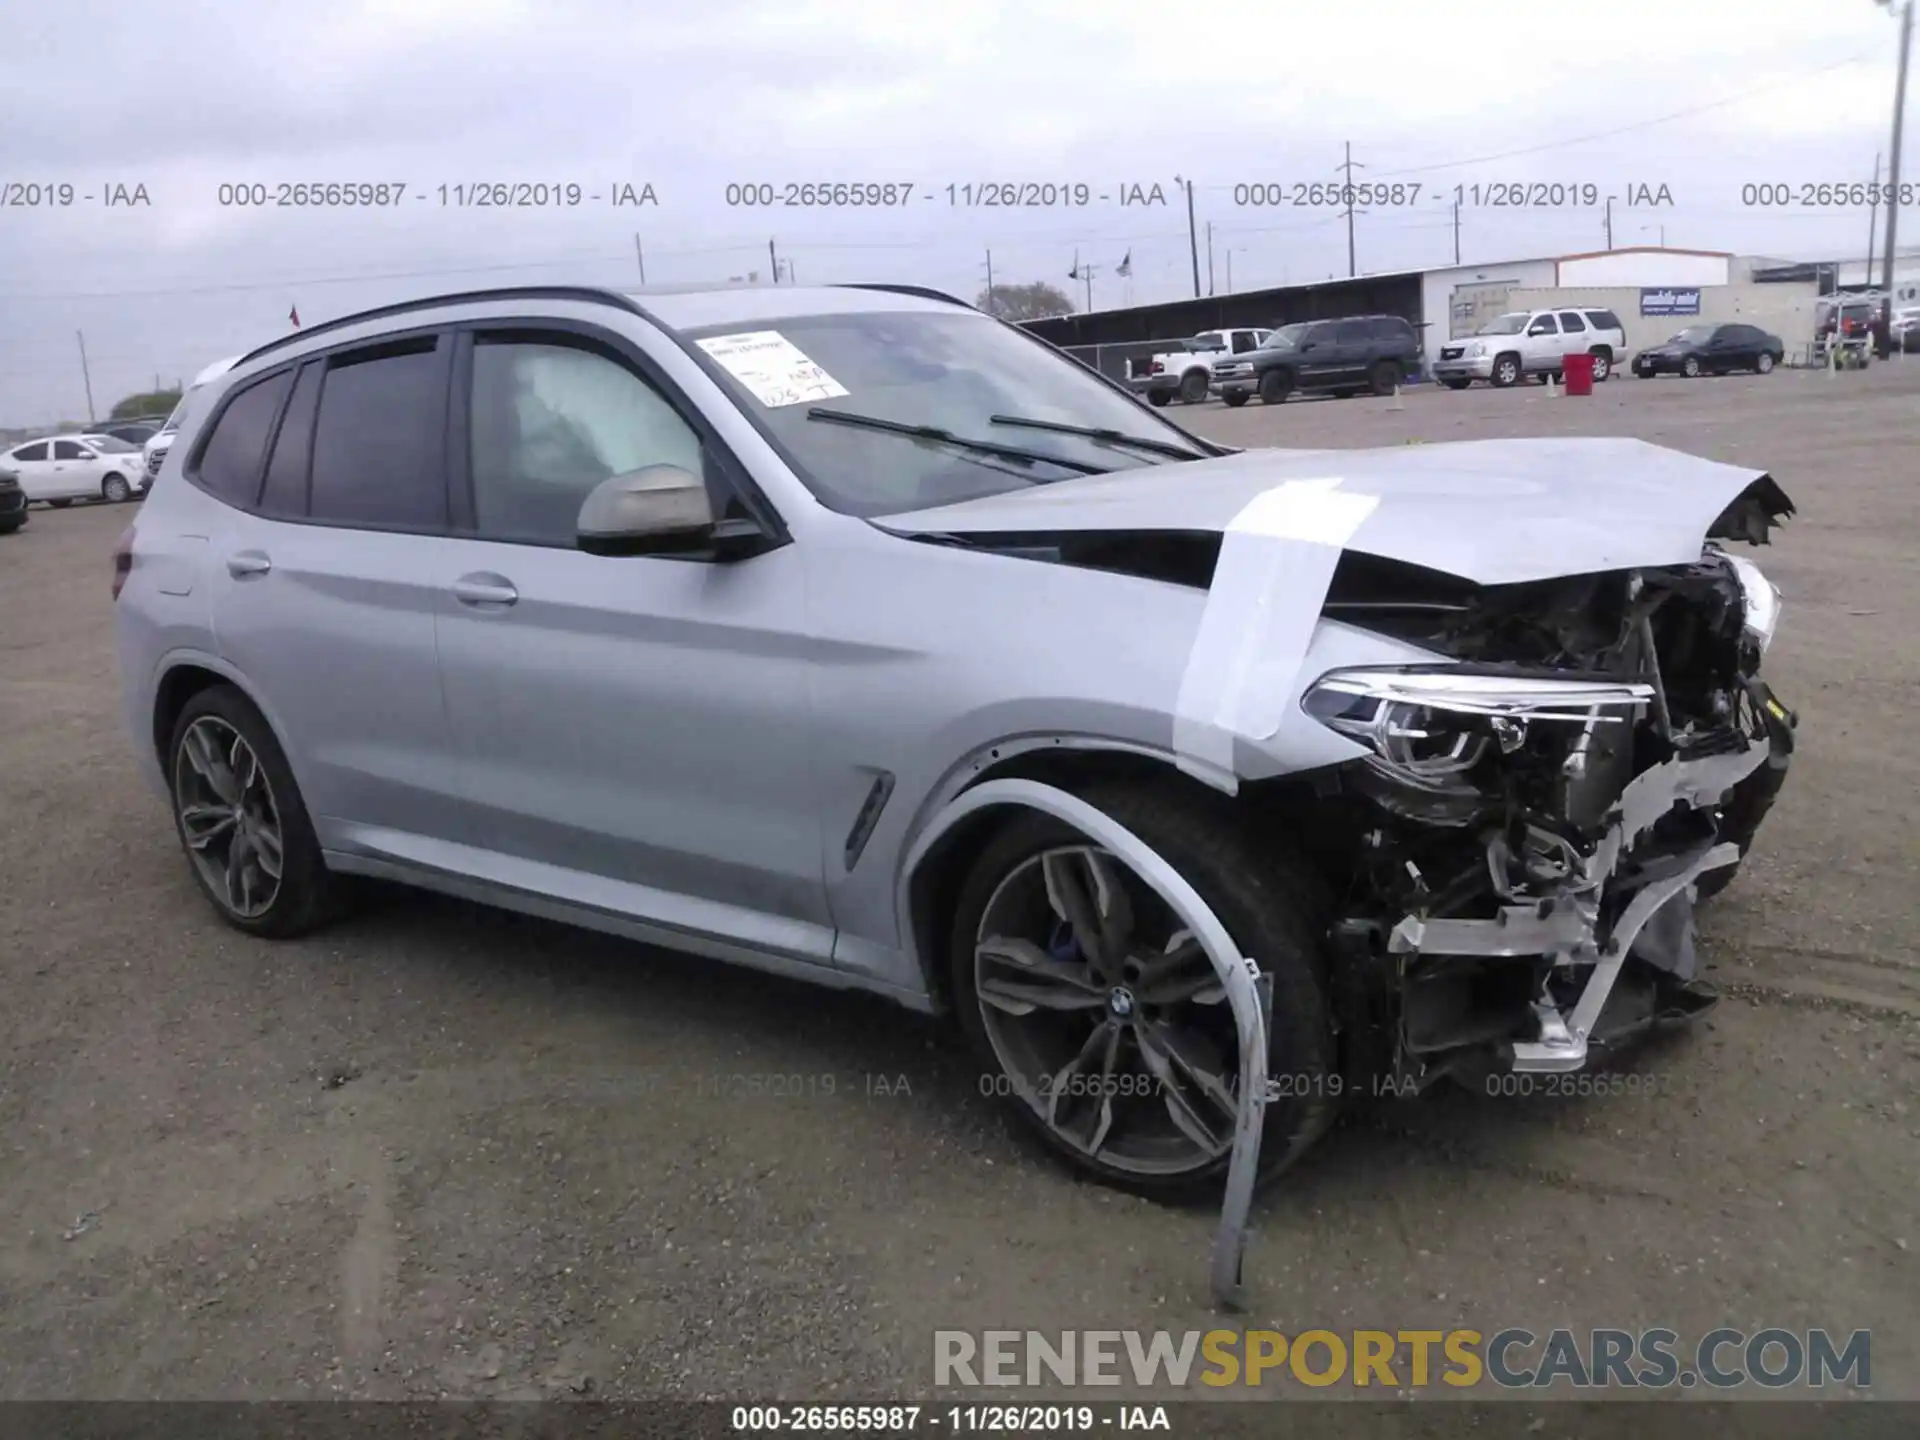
x: 241, y: 821
x: 1158, y: 397
x: 1690, y: 367
x: 60, y: 504
x: 1193, y: 387
x: 1112, y: 1040
x: 1456, y: 384
x: 1506, y: 371
x: 1275, y: 386
x: 115, y: 490
x: 1235, y: 398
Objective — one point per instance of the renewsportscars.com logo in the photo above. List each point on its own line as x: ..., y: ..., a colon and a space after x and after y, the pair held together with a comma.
x: 1513, y: 1358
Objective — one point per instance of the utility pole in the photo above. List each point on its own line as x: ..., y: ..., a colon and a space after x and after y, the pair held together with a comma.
x: 1209, y: 257
x: 1229, y: 269
x: 1193, y: 236
x: 1352, y: 269
x: 1609, y: 222
x: 1456, y: 231
x: 86, y: 377
x: 640, y: 255
x: 993, y: 303
x: 1086, y: 274
x: 774, y: 256
x: 1893, y: 177
x: 1873, y: 216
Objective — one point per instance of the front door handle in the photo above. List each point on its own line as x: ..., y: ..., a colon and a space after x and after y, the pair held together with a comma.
x: 484, y: 588
x: 244, y: 563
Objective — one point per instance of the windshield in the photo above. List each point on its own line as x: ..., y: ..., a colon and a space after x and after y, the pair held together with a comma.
x: 1285, y: 338
x: 172, y: 422
x: 950, y: 370
x: 1504, y: 325
x: 109, y: 445
x: 1694, y: 335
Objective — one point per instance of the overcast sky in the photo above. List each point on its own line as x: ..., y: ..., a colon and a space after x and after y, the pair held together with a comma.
x: 1110, y: 94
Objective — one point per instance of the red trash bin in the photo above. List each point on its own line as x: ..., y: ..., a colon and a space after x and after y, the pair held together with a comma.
x: 1579, y: 372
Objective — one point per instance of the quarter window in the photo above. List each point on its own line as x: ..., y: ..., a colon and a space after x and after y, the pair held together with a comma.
x: 230, y: 461
x: 35, y: 451
x: 378, y: 445
x: 550, y: 421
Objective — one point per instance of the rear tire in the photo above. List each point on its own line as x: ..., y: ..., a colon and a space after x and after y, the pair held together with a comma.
x: 1275, y: 386
x: 1602, y: 363
x: 208, y: 775
x: 1193, y: 387
x: 1235, y: 398
x: 1456, y: 384
x: 1267, y: 903
x: 1690, y: 367
x: 1384, y: 377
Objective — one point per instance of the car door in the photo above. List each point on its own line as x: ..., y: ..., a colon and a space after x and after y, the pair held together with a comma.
x: 323, y: 564
x: 34, y: 462
x: 76, y: 470
x: 1317, y: 355
x: 635, y: 728
x: 1723, y: 349
x: 1353, y: 352
x: 1542, y: 343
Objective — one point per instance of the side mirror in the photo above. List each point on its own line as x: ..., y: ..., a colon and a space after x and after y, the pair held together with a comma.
x: 659, y: 510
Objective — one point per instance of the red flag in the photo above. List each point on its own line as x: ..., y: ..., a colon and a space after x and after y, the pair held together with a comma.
x: 294, y: 316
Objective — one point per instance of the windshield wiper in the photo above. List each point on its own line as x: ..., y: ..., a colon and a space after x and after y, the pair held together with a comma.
x: 946, y: 437
x: 1094, y: 432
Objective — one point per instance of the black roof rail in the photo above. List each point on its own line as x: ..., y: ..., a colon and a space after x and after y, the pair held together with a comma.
x: 593, y: 293
x: 920, y: 290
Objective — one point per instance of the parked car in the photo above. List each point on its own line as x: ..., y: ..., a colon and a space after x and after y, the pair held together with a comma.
x: 1188, y: 371
x: 781, y: 626
x: 1532, y: 343
x: 13, y: 499
x: 1712, y: 350
x: 1339, y: 357
x: 155, y: 450
x: 65, y: 468
x: 1905, y: 330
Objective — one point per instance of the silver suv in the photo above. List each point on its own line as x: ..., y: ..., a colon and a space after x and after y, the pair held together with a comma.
x: 1532, y: 343
x: 857, y: 636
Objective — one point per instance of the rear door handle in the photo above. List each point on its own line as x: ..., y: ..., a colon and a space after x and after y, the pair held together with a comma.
x: 243, y: 563
x: 484, y: 588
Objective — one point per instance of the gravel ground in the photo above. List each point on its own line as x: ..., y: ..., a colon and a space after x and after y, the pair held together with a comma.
x: 440, y: 1151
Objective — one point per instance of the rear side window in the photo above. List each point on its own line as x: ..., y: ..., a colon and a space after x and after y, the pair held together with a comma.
x: 285, y: 494
x: 1572, y: 323
x: 1605, y: 320
x: 230, y: 460
x: 1351, y: 332
x: 1392, y: 329
x: 380, y: 439
x: 36, y: 451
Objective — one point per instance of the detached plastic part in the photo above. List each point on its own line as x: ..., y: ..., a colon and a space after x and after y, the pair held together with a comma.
x: 1248, y: 991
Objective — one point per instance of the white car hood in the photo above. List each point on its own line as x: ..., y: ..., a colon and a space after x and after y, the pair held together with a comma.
x: 1489, y: 511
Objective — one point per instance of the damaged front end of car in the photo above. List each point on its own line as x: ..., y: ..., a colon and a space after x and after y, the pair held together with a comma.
x: 1524, y: 841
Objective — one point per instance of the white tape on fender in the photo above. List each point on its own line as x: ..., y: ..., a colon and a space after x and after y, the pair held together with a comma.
x: 1276, y: 562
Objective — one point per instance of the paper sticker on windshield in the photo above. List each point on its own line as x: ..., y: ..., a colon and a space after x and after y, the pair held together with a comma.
x: 773, y: 368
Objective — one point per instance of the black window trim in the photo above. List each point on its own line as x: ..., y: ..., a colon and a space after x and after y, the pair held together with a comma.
x: 300, y: 370
x: 204, y: 437
x: 612, y: 345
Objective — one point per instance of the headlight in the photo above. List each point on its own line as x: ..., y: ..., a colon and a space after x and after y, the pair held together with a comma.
x: 1423, y: 725
x: 1761, y: 599
x: 1477, y: 349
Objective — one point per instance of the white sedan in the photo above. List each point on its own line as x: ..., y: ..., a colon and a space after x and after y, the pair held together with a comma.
x: 66, y: 468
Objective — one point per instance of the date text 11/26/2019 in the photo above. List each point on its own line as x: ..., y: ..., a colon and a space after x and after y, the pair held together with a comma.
x: 972, y: 194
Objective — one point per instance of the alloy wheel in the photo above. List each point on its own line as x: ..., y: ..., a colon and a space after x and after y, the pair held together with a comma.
x: 228, y: 818
x: 1106, y: 1015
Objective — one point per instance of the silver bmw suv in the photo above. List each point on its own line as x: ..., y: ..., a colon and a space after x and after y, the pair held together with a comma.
x: 854, y: 635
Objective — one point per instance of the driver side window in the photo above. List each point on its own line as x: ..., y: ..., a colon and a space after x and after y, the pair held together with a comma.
x: 550, y: 420
x: 70, y: 450
x: 1542, y: 325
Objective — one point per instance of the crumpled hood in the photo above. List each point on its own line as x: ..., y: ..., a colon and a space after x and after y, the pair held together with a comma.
x: 1489, y: 511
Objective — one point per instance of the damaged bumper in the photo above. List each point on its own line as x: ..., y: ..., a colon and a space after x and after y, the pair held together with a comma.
x: 1567, y: 928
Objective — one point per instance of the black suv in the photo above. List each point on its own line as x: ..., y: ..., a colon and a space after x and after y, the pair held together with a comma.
x: 1344, y: 357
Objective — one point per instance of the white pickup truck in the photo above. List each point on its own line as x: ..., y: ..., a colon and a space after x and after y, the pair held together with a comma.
x: 1188, y: 371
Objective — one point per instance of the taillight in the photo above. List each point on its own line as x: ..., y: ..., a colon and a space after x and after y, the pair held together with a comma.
x: 122, y: 560
x: 1156, y: 368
